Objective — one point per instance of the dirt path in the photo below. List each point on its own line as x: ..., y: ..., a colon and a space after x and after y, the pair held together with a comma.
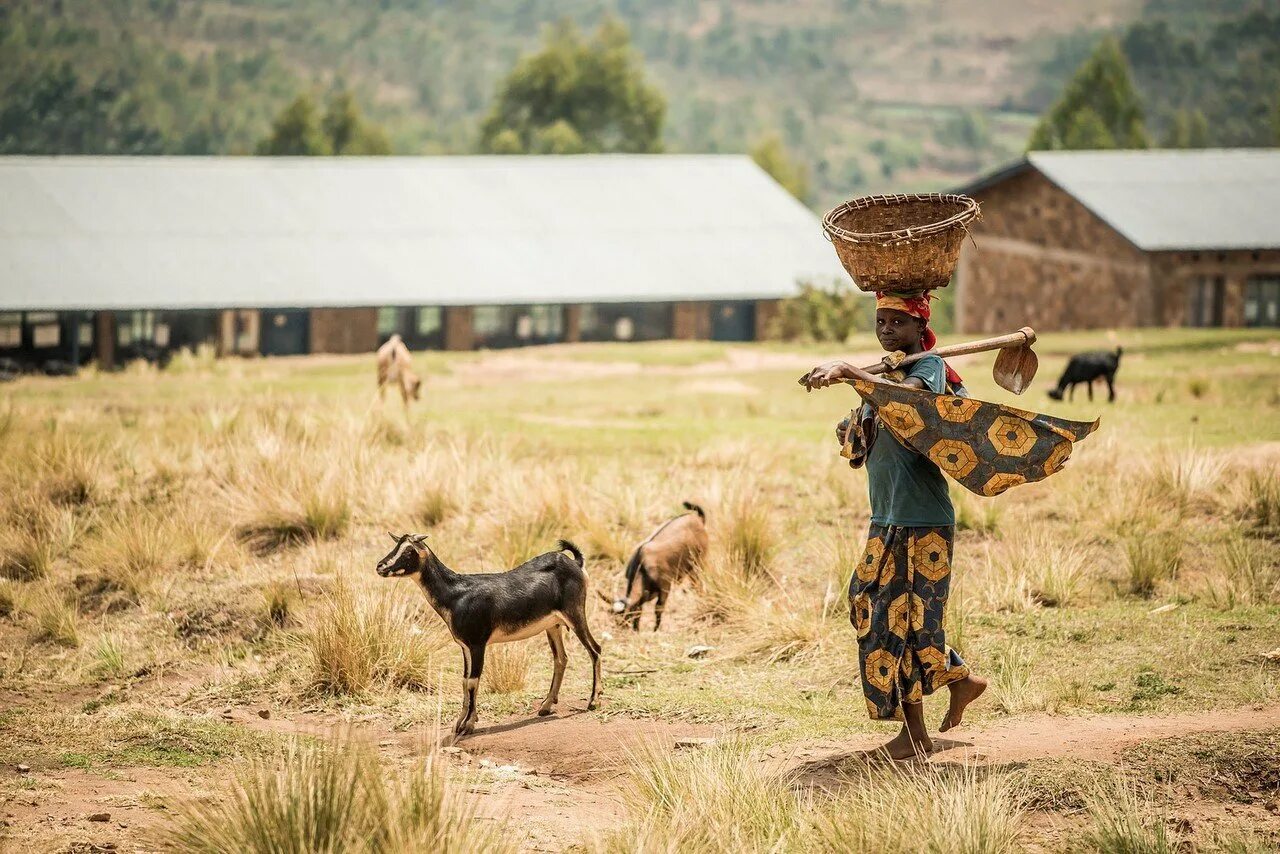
x: 555, y: 781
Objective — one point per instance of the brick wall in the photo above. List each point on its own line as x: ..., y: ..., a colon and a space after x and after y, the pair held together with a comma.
x: 1174, y: 272
x: 1044, y: 260
x: 344, y: 330
x: 458, y: 332
x: 691, y: 321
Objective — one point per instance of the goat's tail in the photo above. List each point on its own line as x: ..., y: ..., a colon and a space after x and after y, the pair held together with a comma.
x: 694, y: 508
x: 633, y: 567
x: 566, y: 546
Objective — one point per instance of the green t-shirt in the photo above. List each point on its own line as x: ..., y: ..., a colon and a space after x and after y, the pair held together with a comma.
x: 906, y: 488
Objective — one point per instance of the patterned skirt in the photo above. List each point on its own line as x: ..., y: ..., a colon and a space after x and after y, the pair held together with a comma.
x: 897, y: 604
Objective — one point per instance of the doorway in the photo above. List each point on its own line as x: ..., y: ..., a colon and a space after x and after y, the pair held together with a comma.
x: 283, y: 332
x: 733, y: 321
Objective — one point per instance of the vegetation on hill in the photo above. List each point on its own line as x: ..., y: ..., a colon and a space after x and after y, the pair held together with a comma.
x: 864, y: 95
x: 1098, y: 109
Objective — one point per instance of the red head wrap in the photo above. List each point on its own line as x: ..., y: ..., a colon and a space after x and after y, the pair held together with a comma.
x: 916, y: 305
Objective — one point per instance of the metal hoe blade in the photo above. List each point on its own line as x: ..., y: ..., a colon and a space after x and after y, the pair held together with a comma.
x: 1015, y: 368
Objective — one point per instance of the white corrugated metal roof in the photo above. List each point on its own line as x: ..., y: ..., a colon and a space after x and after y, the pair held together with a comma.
x: 209, y: 232
x: 1162, y: 200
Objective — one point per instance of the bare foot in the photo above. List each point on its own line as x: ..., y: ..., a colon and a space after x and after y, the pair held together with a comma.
x: 903, y: 746
x: 963, y: 693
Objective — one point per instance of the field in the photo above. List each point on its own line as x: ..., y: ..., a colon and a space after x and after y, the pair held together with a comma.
x: 196, y: 655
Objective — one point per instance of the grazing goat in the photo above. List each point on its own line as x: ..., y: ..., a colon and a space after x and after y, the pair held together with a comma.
x: 668, y: 555
x: 395, y: 365
x: 544, y: 594
x: 1087, y: 367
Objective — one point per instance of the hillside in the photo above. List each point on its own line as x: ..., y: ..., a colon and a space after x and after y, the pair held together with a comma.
x: 871, y: 94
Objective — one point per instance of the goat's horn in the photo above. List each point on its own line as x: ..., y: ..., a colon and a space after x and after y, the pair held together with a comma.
x: 393, y: 537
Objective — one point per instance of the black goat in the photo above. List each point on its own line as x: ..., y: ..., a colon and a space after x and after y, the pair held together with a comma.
x: 543, y: 594
x: 1087, y: 367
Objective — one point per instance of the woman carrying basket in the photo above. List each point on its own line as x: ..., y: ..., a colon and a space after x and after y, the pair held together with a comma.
x: 898, y: 592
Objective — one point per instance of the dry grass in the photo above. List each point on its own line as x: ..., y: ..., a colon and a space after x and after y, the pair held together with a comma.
x: 1245, y: 572
x: 1260, y: 504
x: 131, y: 553
x: 360, y: 640
x: 56, y: 618
x: 332, y: 798
x: 748, y: 536
x: 1151, y: 559
x: 724, y: 798
x: 1125, y: 822
x: 506, y: 667
x: 278, y: 600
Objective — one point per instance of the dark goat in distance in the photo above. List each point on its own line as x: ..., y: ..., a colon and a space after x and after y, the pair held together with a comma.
x: 544, y: 594
x: 1087, y: 367
x: 669, y: 554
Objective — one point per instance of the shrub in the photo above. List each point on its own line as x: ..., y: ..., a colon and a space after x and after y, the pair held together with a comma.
x: 823, y: 314
x: 331, y: 798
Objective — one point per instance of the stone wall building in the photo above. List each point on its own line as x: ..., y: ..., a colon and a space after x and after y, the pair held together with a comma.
x: 1087, y: 240
x: 135, y: 257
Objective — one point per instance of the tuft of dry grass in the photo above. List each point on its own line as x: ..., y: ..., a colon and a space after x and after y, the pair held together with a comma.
x: 1015, y: 686
x: 725, y: 591
x: 1260, y: 504
x: 130, y: 553
x: 1245, y: 573
x: 56, y: 618
x: 9, y: 601
x: 109, y: 656
x: 277, y: 601
x: 749, y: 539
x: 361, y: 640
x: 980, y: 515
x: 1184, y: 478
x: 1124, y: 821
x: 506, y: 667
x: 1151, y: 558
x: 71, y: 473
x: 332, y: 797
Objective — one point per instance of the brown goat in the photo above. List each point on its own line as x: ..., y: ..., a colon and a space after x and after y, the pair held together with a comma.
x: 395, y: 367
x: 668, y: 555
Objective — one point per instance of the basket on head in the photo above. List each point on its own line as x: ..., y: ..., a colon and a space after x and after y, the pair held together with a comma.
x: 900, y: 242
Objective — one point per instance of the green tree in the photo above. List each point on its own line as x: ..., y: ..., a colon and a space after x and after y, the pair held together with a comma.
x: 296, y: 131
x: 577, y: 95
x: 1189, y: 129
x: 823, y: 314
x: 347, y: 131
x: 772, y: 156
x: 342, y: 130
x: 1099, y: 108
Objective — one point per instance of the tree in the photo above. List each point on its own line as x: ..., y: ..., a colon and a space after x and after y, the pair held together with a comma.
x: 577, y: 95
x: 823, y: 314
x: 347, y: 131
x: 1099, y: 108
x: 296, y: 132
x: 772, y: 156
x: 1189, y: 129
x: 299, y: 131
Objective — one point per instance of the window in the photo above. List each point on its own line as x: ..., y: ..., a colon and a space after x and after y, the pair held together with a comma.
x: 388, y: 322
x: 489, y: 320
x: 429, y: 320
x: 1262, y: 301
x: 86, y: 332
x: 1204, y: 301
x: 626, y: 321
x: 10, y: 330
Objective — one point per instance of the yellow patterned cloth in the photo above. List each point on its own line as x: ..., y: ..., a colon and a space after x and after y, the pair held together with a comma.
x: 897, y: 605
x: 985, y: 447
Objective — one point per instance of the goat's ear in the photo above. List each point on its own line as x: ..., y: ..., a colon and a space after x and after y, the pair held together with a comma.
x: 393, y: 537
x: 420, y: 539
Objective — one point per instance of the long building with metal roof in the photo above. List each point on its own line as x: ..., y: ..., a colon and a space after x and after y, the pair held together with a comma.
x: 1092, y: 239
x: 126, y: 256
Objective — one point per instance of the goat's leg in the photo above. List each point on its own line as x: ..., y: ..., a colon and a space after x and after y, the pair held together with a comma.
x: 1071, y: 393
x: 1091, y: 391
x: 659, y: 607
x: 580, y: 628
x: 558, y: 658
x: 1111, y: 387
x: 474, y: 656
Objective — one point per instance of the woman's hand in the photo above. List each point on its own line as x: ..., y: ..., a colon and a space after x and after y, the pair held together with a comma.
x: 826, y: 374
x: 830, y: 373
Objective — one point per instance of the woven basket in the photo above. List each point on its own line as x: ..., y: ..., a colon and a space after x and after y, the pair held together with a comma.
x: 900, y: 242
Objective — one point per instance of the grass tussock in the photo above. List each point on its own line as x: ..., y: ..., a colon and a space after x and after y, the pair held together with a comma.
x: 1244, y: 572
x: 1151, y: 558
x: 331, y: 798
x: 286, y: 494
x: 278, y: 599
x: 361, y: 640
x: 506, y: 667
x: 724, y: 798
x: 71, y: 473
x: 1038, y: 569
x: 980, y: 515
x: 1016, y: 686
x: 1260, y: 503
x: 56, y: 618
x: 748, y: 537
x: 1186, y: 478
x: 131, y: 553
x: 109, y: 657
x: 726, y: 592
x: 1123, y: 821
x: 10, y: 603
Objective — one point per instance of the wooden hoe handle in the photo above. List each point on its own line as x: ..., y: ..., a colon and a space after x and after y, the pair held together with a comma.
x: 1022, y: 338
